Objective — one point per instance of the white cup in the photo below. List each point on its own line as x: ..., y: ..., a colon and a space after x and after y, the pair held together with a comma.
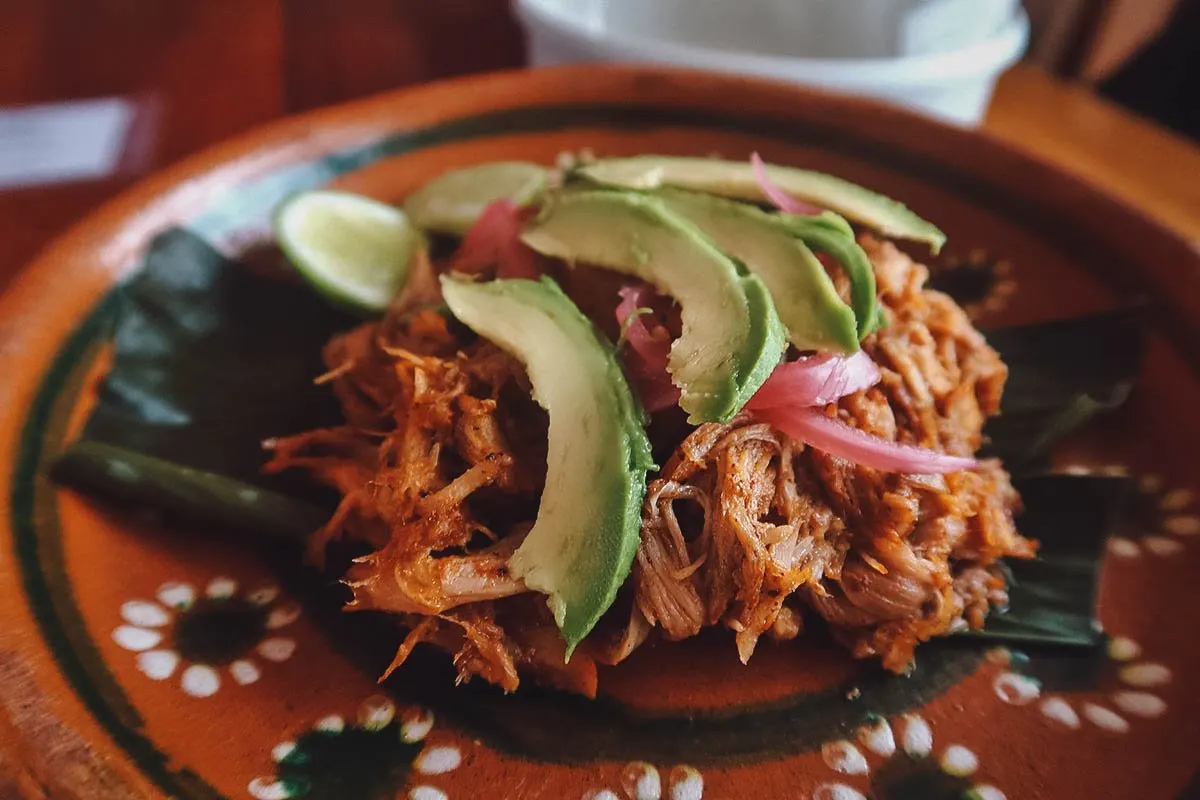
x: 834, y: 44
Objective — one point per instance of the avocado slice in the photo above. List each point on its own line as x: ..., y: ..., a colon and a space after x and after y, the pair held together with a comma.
x: 835, y: 222
x: 453, y: 201
x: 582, y: 545
x: 807, y: 301
x: 736, y: 179
x: 819, y: 236
x: 728, y: 345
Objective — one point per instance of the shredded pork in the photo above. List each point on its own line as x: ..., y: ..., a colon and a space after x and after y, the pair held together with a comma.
x: 442, y: 458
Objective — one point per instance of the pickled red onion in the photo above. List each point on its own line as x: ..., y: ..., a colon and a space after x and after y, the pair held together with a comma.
x: 832, y: 436
x: 815, y: 381
x: 781, y: 199
x: 495, y: 240
x: 647, y: 352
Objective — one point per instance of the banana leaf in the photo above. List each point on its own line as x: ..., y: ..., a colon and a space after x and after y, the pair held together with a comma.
x: 1061, y: 374
x: 211, y: 357
x: 1052, y: 598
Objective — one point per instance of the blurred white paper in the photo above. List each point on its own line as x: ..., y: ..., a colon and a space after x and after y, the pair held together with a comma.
x: 61, y: 142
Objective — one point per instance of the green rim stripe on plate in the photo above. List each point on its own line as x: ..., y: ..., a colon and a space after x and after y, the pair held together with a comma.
x: 38, y: 544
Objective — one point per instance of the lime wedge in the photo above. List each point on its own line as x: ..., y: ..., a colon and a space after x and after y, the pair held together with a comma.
x: 352, y: 249
x: 453, y: 201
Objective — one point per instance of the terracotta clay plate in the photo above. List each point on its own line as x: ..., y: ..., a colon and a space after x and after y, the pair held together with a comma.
x: 141, y: 661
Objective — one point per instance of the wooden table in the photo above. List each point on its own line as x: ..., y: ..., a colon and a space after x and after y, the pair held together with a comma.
x: 1147, y: 166
x: 214, y: 68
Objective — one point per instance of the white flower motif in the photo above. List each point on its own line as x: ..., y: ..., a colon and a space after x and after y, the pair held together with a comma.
x: 842, y: 756
x: 1163, y: 518
x: 837, y: 791
x: 959, y: 761
x: 912, y: 738
x: 170, y: 631
x: 1146, y: 675
x: 985, y: 792
x: 1016, y: 690
x: 200, y: 680
x: 1122, y: 648
x: 277, y: 648
x: 918, y: 736
x: 334, y: 723
x: 282, y: 750
x: 877, y: 737
x: 416, y: 726
x: 244, y: 671
x: 1140, y: 704
x: 267, y: 789
x: 643, y: 781
x: 427, y: 793
x: 1105, y: 719
x: 1060, y: 711
x: 376, y: 714
x: 686, y: 783
x: 1134, y: 701
x: 438, y: 760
